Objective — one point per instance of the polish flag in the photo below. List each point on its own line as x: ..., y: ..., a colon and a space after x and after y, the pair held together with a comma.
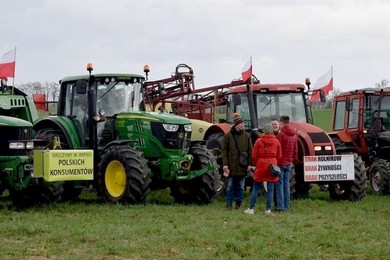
x: 247, y: 71
x: 325, y: 82
x: 7, y: 64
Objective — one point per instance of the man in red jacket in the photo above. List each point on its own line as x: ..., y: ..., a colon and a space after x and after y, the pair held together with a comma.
x: 288, y: 140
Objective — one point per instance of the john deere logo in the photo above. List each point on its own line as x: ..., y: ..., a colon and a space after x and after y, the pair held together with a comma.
x: 181, y: 136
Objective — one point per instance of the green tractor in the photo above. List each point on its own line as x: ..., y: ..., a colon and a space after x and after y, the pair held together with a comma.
x: 17, y: 116
x: 133, y: 151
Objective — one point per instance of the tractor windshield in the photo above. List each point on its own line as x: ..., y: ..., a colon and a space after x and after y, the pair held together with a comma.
x: 119, y: 97
x: 269, y: 106
x: 376, y: 107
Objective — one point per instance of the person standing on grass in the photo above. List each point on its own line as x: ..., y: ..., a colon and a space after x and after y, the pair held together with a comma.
x: 288, y: 140
x: 267, y: 150
x: 234, y: 143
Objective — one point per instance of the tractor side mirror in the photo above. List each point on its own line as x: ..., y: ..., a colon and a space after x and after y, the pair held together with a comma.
x: 237, y: 99
x: 322, y: 96
x: 81, y: 87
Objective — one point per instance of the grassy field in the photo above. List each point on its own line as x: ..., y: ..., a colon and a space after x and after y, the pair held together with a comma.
x: 323, y: 118
x: 314, y: 228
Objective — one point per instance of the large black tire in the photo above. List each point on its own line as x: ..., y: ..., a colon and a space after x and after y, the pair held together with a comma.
x: 2, y: 188
x: 298, y: 187
x: 71, y: 192
x: 350, y: 190
x: 123, y: 175
x: 379, y: 173
x: 203, y: 189
x: 214, y: 142
x: 37, y: 194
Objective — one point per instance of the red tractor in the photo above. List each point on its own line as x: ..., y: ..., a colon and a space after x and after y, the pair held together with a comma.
x: 361, y: 124
x: 257, y: 104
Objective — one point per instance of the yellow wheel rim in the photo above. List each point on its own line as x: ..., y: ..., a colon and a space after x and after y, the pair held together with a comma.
x: 115, y: 179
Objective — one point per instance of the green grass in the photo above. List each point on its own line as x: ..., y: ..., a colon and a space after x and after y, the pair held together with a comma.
x: 323, y: 118
x: 314, y: 228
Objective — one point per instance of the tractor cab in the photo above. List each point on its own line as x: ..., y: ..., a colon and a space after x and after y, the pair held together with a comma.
x: 361, y: 120
x: 270, y: 101
x: 113, y: 94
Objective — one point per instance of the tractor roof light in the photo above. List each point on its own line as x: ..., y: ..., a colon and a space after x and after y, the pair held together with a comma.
x: 146, y: 69
x: 90, y: 67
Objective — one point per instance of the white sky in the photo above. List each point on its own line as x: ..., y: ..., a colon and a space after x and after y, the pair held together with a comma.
x: 288, y: 40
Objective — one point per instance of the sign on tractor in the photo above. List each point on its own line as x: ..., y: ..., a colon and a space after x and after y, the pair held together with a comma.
x: 329, y: 168
x: 60, y: 165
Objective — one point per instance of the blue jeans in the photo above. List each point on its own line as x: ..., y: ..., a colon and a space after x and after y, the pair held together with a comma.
x: 270, y: 195
x: 285, y: 183
x: 234, y: 187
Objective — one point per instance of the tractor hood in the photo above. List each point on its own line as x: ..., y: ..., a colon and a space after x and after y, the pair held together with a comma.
x: 13, y: 121
x: 162, y: 117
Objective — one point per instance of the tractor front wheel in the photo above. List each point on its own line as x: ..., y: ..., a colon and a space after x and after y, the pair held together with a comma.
x: 350, y: 190
x: 123, y: 175
x: 380, y: 176
x: 214, y: 142
x: 200, y: 190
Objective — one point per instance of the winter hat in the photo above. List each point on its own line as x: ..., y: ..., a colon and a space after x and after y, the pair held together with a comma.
x: 237, y: 119
x: 268, y: 129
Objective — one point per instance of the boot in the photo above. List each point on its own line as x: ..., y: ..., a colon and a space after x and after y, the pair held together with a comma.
x: 238, y: 205
x: 227, y: 207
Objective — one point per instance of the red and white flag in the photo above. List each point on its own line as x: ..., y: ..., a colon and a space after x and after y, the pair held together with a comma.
x: 7, y: 64
x: 247, y: 70
x: 325, y: 82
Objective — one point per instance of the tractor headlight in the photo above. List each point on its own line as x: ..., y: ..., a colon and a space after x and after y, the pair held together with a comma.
x: 317, y: 148
x: 21, y: 145
x: 170, y: 127
x: 17, y: 145
x: 188, y: 128
x: 328, y: 148
x: 30, y: 145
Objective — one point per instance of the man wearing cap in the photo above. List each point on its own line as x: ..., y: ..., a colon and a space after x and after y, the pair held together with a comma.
x: 234, y: 143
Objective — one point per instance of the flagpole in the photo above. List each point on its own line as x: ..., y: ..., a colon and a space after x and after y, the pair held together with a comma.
x: 13, y: 79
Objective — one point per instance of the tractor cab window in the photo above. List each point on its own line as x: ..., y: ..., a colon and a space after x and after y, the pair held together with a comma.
x: 117, y: 97
x: 269, y: 106
x: 377, y: 108
x: 339, y: 115
x: 353, y: 115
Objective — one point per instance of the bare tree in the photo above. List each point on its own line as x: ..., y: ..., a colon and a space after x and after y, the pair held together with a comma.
x: 383, y: 84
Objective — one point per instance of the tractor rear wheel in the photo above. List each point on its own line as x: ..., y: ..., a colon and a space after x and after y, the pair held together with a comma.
x: 215, y: 142
x: 200, y: 190
x: 380, y: 176
x: 123, y: 175
x: 350, y: 190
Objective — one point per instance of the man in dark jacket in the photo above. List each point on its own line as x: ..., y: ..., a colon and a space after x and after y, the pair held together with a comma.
x: 234, y: 143
x: 288, y: 140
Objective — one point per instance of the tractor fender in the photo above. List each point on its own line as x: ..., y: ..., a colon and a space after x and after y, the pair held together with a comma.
x: 131, y: 143
x: 310, y: 136
x: 217, y: 128
x: 62, y: 124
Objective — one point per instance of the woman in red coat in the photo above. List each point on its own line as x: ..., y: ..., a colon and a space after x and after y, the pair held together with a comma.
x: 266, y: 151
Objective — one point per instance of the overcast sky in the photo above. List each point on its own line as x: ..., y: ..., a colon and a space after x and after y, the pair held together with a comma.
x: 288, y: 40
